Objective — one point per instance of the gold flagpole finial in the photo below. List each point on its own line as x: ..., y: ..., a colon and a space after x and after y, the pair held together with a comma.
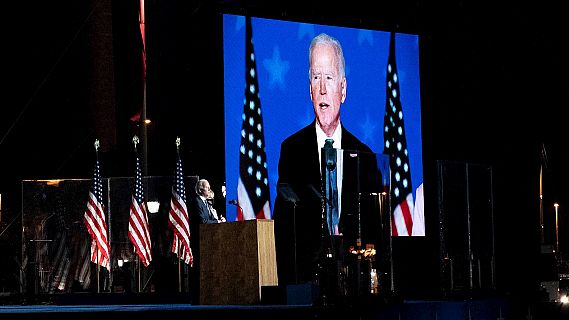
x: 178, y: 142
x: 97, y: 144
x: 135, y: 140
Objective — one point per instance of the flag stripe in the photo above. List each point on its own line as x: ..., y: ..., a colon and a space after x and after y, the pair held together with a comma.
x: 138, y: 232
x: 402, y: 223
x: 95, y: 222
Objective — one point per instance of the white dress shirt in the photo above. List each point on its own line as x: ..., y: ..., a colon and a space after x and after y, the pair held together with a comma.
x: 337, y: 137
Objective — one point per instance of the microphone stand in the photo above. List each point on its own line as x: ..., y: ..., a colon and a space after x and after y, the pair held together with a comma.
x: 286, y: 192
x: 236, y: 203
x: 321, y: 276
x: 330, y: 167
x: 333, y: 265
x: 359, y: 239
x: 294, y: 242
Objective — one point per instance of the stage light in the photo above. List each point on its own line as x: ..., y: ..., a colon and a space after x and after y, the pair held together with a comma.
x: 53, y: 182
x: 564, y: 299
x: 153, y: 206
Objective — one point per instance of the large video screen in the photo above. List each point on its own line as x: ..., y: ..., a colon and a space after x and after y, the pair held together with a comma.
x: 269, y: 100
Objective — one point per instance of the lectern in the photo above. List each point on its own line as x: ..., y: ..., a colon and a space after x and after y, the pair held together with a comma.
x: 236, y: 260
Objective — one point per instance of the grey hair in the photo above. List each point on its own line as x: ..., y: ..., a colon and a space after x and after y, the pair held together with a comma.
x: 200, y: 183
x: 324, y: 39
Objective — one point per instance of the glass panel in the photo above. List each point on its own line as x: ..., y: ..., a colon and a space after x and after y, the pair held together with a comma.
x: 56, y: 245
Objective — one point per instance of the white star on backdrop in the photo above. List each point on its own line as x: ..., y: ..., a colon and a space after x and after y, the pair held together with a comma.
x: 277, y: 69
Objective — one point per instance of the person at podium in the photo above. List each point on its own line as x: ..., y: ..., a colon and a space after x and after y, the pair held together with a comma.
x: 203, y: 207
x: 201, y: 212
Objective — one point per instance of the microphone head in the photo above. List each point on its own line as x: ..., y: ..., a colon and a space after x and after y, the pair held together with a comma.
x: 330, y: 158
x: 330, y: 164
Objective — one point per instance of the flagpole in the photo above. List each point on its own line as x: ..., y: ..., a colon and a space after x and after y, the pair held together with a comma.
x: 178, y: 249
x: 541, y: 231
x: 98, y: 265
x: 138, y: 269
x: 143, y: 115
x: 179, y: 266
x: 98, y: 270
x: 144, y: 134
x: 110, y: 277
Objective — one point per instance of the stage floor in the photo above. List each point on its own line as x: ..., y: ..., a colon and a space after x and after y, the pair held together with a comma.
x: 415, y: 309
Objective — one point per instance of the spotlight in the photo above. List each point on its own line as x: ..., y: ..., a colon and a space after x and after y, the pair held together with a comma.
x: 153, y: 206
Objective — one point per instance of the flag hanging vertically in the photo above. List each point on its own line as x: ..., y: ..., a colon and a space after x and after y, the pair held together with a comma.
x: 138, y: 227
x: 253, y: 185
x: 178, y: 219
x: 94, y: 218
x: 395, y: 145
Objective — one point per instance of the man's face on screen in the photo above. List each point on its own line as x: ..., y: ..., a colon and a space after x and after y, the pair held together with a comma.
x: 327, y: 86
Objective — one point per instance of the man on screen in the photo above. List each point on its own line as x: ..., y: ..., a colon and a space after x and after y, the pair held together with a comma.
x: 299, y: 227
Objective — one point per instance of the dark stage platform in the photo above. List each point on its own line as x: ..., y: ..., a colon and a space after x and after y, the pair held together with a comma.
x: 401, y: 310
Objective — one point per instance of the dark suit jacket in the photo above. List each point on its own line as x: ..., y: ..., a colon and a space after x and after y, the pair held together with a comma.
x: 199, y: 214
x: 202, y: 212
x: 299, y: 169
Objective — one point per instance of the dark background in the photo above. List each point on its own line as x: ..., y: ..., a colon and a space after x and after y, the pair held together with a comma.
x: 493, y: 80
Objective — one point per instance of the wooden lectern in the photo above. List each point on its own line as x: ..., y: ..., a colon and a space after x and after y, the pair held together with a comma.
x: 236, y: 259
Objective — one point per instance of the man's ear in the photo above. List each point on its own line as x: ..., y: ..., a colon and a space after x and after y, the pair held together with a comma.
x: 344, y: 84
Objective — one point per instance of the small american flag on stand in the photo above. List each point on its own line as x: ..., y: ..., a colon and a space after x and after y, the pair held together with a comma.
x: 253, y: 186
x: 178, y: 219
x: 138, y: 228
x: 396, y: 147
x: 94, y: 219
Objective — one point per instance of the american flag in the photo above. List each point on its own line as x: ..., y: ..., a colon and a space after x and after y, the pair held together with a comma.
x: 396, y: 147
x: 138, y: 228
x: 253, y: 186
x: 178, y: 219
x: 95, y: 221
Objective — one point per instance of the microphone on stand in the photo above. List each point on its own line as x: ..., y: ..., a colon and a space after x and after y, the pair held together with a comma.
x: 330, y: 158
x: 235, y: 202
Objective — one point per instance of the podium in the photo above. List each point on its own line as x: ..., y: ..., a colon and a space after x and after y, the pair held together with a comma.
x: 236, y: 260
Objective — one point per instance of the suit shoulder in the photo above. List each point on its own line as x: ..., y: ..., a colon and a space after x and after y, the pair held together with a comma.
x: 350, y: 141
x: 299, y: 137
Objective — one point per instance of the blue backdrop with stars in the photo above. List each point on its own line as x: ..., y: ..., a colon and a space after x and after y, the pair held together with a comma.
x: 281, y: 49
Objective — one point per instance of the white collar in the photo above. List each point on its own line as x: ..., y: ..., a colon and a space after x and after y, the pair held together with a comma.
x: 321, y: 136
